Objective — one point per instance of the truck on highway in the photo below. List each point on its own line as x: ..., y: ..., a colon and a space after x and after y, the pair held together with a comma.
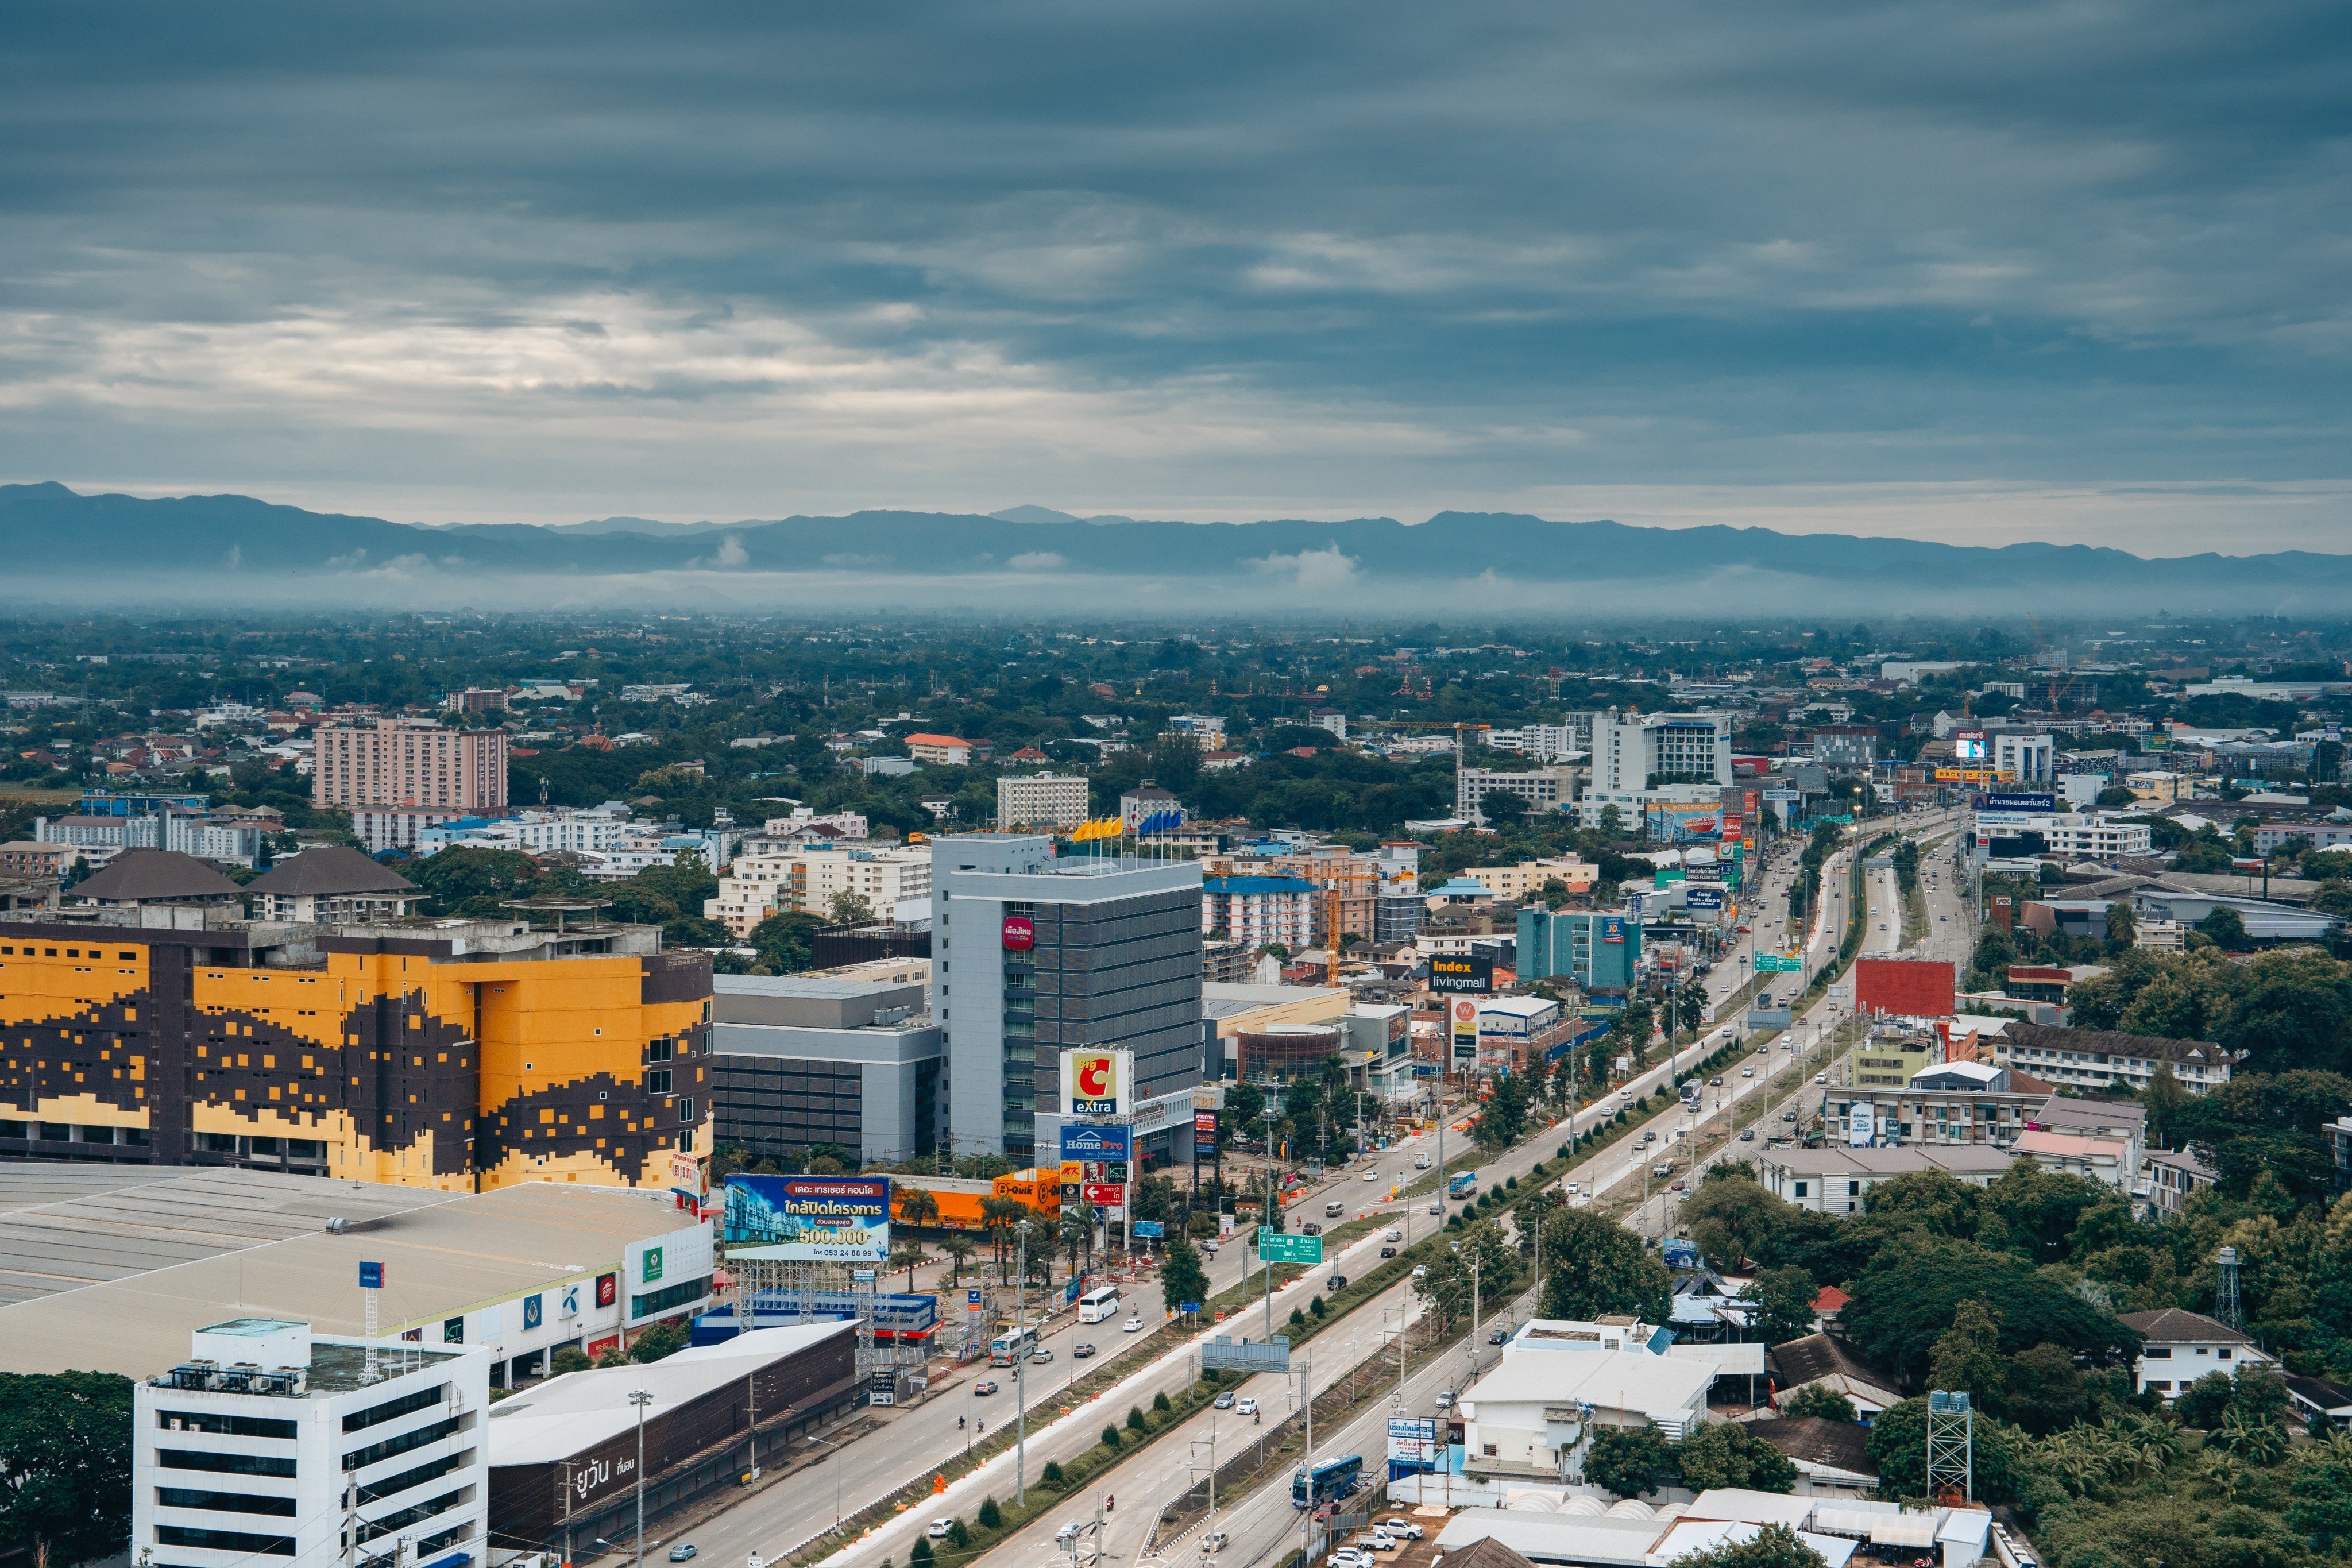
x: 1461, y: 1183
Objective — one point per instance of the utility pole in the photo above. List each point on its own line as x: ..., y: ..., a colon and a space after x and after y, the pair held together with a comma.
x: 1268, y: 1220
x: 640, y: 1398
x: 1021, y: 1380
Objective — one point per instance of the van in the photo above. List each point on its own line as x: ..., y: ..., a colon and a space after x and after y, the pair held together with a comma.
x: 1334, y: 1209
x: 1214, y: 1542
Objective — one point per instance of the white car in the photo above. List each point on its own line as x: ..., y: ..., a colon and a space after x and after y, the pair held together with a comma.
x: 1394, y: 1235
x: 938, y: 1530
x: 1371, y: 1175
x: 1573, y: 1190
x: 1821, y: 1077
x: 1421, y: 1270
x: 1132, y: 1326
x: 1248, y: 1406
x: 1349, y: 1557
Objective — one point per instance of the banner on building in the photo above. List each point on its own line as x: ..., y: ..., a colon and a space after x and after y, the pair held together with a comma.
x: 2039, y: 803
x: 1612, y: 929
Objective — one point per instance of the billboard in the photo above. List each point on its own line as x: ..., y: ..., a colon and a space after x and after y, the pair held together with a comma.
x: 1702, y: 897
x: 1968, y: 746
x: 1097, y: 1083
x: 1461, y: 971
x: 1613, y: 928
x: 1465, y: 1027
x: 1663, y: 822
x: 813, y: 1219
x: 1964, y: 776
x: 2031, y: 802
x: 1019, y: 934
x: 1104, y: 1195
x: 1090, y: 1144
x: 1415, y: 1440
x: 1204, y: 1132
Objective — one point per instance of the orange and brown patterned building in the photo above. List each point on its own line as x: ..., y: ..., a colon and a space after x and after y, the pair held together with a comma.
x: 459, y: 1055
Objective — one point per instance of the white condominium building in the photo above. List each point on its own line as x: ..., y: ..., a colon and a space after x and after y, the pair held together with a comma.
x: 808, y: 881
x: 1040, y: 800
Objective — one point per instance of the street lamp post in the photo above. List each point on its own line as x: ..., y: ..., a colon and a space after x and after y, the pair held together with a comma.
x: 1268, y: 1222
x: 1021, y: 1380
x: 640, y: 1398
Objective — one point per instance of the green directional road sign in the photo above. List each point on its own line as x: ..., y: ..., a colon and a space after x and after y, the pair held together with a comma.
x: 1771, y: 963
x: 1276, y: 1246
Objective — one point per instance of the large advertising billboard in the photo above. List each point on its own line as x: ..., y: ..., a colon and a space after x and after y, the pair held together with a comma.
x: 2042, y: 805
x: 1097, y: 1083
x: 1086, y: 1141
x: 1968, y: 746
x: 1669, y: 823
x: 1204, y: 1133
x: 810, y: 1219
x: 1461, y: 971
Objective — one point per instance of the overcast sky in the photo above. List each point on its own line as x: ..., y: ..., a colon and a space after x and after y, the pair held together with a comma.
x: 1972, y: 271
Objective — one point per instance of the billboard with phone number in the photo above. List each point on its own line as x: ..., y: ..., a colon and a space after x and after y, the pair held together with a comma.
x: 813, y: 1220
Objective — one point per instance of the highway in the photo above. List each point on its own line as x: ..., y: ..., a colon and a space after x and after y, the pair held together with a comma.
x: 911, y: 1441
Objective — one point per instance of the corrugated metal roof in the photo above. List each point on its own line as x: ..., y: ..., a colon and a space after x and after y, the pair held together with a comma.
x: 109, y: 1271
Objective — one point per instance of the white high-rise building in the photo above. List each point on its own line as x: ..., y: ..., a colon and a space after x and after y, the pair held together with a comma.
x: 761, y: 884
x: 1689, y: 756
x: 269, y: 1444
x: 1040, y: 800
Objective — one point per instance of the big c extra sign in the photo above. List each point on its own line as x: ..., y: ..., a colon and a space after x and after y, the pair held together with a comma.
x: 1097, y: 1083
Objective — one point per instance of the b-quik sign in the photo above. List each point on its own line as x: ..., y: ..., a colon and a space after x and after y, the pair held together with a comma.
x: 1097, y: 1083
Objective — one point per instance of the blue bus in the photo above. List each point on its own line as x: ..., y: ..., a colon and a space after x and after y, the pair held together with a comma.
x: 1326, y: 1482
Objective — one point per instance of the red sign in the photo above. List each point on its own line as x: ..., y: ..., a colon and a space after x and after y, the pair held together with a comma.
x: 1903, y: 987
x: 1019, y: 934
x: 608, y: 1290
x: 1104, y: 1195
x: 1731, y: 825
x: 1204, y: 1122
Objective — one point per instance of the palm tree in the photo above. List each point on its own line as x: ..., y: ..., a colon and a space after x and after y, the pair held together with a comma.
x: 907, y: 1258
x: 917, y: 1207
x: 1077, y: 1228
x: 2258, y: 1443
x: 999, y: 1216
x: 958, y: 1248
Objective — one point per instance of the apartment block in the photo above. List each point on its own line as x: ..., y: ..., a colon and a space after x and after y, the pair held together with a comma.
x: 761, y: 883
x: 410, y: 763
x: 1543, y: 789
x: 1040, y: 800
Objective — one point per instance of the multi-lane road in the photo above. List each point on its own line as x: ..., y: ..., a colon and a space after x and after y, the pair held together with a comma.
x: 912, y: 1442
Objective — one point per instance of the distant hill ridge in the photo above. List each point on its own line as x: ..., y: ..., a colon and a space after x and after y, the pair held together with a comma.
x: 48, y: 528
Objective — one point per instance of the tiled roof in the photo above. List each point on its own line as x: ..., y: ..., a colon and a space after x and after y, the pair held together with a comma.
x: 138, y: 875
x: 327, y: 871
x: 2171, y: 1325
x: 1817, y: 1440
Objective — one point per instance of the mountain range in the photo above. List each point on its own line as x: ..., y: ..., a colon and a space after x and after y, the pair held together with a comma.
x: 66, y: 547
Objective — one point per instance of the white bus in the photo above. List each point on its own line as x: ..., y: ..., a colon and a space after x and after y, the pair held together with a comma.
x: 1010, y: 1347
x: 1097, y: 1305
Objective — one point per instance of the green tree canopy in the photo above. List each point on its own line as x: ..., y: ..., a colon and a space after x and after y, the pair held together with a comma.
x: 1905, y: 1300
x: 1728, y: 1454
x: 1593, y: 1265
x: 65, y: 1464
x: 1774, y: 1546
x: 1784, y: 1304
x: 1625, y: 1459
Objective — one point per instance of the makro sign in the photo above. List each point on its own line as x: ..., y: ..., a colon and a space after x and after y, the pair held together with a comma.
x: 1090, y: 1144
x: 1019, y: 934
x: 1097, y: 1083
x: 1461, y: 971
